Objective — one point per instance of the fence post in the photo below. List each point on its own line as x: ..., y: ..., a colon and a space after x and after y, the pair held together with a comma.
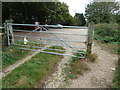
x: 9, y: 32
x: 90, y: 37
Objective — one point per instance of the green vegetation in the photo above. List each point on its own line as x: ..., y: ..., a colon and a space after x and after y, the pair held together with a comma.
x: 30, y: 45
x: 55, y: 47
x: 12, y: 54
x: 109, y: 34
x: 76, y: 66
x: 102, y: 12
x: 79, y: 54
x: 117, y: 76
x: 79, y: 19
x: 33, y: 72
x: 92, y: 57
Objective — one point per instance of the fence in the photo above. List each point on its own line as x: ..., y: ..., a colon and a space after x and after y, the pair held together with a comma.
x: 11, y: 38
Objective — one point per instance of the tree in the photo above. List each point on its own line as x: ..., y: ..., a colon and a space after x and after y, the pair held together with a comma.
x: 80, y: 19
x: 101, y: 12
x: 44, y: 12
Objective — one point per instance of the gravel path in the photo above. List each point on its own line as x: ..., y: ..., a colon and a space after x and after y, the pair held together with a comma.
x: 101, y: 73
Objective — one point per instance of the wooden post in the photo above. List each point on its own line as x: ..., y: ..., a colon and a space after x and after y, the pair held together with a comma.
x: 90, y: 37
x: 11, y: 33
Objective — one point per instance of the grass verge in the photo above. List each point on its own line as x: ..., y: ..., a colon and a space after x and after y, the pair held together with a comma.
x: 33, y: 72
x: 116, y: 80
x: 12, y: 54
x: 76, y: 66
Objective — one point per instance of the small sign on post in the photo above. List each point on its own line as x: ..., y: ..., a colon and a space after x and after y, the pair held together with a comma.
x: 90, y: 37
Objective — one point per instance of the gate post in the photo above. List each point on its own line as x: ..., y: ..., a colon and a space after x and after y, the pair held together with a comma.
x: 9, y: 31
x: 90, y: 37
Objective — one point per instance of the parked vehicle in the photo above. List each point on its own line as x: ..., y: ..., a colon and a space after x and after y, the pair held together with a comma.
x: 59, y: 26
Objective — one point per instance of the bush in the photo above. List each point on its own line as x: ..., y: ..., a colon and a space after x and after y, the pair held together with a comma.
x: 107, y: 33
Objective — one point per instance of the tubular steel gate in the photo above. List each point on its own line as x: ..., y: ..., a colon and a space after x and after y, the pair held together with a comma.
x: 72, y: 38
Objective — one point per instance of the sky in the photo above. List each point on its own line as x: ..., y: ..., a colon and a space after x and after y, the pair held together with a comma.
x: 77, y: 6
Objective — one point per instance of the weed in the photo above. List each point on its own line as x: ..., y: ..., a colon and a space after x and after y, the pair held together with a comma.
x: 92, y: 57
x: 79, y: 55
x: 76, y: 66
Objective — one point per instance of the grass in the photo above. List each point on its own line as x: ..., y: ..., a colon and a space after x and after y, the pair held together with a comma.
x: 116, y: 80
x: 12, y: 54
x: 55, y: 47
x: 92, y: 57
x: 76, y: 66
x: 33, y: 72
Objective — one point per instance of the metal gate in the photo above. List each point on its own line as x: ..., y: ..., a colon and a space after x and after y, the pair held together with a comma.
x: 72, y: 38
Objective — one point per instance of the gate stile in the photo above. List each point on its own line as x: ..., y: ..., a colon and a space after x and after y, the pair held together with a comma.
x: 88, y: 42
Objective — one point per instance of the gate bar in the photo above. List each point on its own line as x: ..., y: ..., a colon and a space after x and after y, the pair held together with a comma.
x: 81, y: 27
x: 51, y: 53
x: 46, y: 48
x: 50, y: 44
x: 50, y: 32
x: 51, y: 39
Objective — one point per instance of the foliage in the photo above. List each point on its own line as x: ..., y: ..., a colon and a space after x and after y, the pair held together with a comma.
x: 80, y: 19
x: 117, y: 51
x: 101, y: 12
x: 44, y: 12
x: 107, y: 33
x: 32, y: 73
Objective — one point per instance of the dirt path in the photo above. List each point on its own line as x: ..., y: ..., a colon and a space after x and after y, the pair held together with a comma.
x: 101, y: 73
